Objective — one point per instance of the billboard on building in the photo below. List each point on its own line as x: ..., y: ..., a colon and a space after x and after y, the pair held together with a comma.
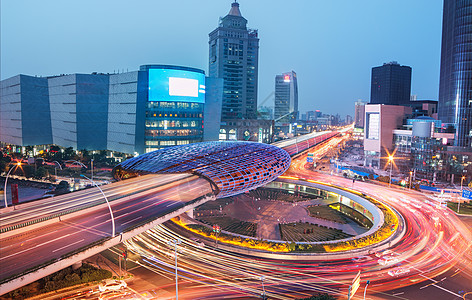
x: 176, y: 85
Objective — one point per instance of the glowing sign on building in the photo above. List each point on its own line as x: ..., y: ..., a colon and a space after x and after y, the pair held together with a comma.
x: 176, y: 85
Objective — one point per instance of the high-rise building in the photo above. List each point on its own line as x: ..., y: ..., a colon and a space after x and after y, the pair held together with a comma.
x: 390, y: 84
x: 286, y: 101
x: 455, y: 84
x: 234, y: 51
x: 359, y: 114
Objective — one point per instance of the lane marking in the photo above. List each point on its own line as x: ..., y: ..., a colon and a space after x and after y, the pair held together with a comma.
x: 68, y: 245
x: 401, y: 293
x: 132, y: 220
x: 440, y: 287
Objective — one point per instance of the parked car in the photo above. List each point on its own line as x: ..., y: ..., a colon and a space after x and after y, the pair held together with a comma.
x: 115, y: 285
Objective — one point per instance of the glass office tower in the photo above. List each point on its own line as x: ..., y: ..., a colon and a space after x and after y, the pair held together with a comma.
x: 391, y: 84
x: 455, y: 85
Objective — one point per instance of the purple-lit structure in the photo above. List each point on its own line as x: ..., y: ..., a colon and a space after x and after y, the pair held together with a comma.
x: 234, y: 167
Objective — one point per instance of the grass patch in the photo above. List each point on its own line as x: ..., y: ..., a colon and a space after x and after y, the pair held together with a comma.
x: 215, y: 205
x: 231, y: 225
x: 308, y: 232
x: 279, y: 195
x: 465, y: 208
x: 327, y: 213
x: 352, y: 214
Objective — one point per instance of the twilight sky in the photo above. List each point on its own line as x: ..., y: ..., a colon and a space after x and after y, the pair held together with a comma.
x: 331, y: 45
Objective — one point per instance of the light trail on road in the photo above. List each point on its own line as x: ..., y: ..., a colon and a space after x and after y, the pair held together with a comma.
x: 435, y: 241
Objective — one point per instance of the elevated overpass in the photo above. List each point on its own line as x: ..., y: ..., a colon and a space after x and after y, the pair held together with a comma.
x: 42, y: 237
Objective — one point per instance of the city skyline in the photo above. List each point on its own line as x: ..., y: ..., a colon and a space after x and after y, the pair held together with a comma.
x: 122, y: 39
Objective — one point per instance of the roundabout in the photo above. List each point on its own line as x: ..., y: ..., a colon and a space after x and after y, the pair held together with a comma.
x: 409, y: 241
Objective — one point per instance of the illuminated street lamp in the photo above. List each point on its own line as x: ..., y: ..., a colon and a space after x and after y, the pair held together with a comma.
x: 390, y: 160
x: 109, y: 207
x: 6, y: 180
x: 459, y: 204
x: 367, y: 283
x: 175, y: 243
x: 411, y: 173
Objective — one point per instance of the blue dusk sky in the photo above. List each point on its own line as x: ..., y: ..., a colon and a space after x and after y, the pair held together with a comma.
x: 331, y: 45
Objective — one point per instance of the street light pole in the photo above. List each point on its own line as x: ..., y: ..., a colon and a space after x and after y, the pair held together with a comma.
x: 365, y: 289
x: 263, y: 289
x: 175, y: 243
x: 91, y: 162
x: 6, y: 180
x: 411, y: 173
x: 459, y: 204
x: 109, y: 207
x: 55, y: 168
x: 390, y: 159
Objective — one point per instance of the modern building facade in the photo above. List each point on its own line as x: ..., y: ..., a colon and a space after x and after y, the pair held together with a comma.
x: 133, y: 112
x: 455, y: 84
x: 126, y: 112
x: 25, y: 116
x: 234, y: 56
x: 390, y: 84
x: 359, y: 114
x: 79, y: 110
x: 380, y: 122
x: 174, y: 106
x: 286, y: 101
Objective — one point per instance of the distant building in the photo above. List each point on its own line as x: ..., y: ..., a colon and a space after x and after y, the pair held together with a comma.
x: 359, y: 114
x: 390, y: 84
x: 380, y: 121
x: 455, y: 89
x: 427, y: 108
x: 246, y: 130
x: 349, y: 119
x: 265, y: 113
x: 133, y: 112
x: 313, y: 115
x: 286, y: 101
x: 422, y: 148
x: 234, y: 56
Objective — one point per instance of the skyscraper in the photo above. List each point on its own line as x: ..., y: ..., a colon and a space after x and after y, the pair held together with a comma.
x: 286, y: 100
x: 455, y: 84
x: 234, y: 51
x: 391, y: 84
x: 359, y: 114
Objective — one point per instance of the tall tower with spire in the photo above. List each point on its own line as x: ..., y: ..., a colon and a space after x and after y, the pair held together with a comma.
x: 234, y: 56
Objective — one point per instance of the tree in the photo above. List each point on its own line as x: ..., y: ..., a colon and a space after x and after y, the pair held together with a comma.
x: 41, y: 172
x: 62, y: 185
x: 69, y: 153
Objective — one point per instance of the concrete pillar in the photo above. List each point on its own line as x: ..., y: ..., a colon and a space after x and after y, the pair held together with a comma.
x: 77, y: 265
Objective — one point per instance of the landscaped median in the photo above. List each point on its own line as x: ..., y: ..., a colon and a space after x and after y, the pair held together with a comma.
x: 386, y: 227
